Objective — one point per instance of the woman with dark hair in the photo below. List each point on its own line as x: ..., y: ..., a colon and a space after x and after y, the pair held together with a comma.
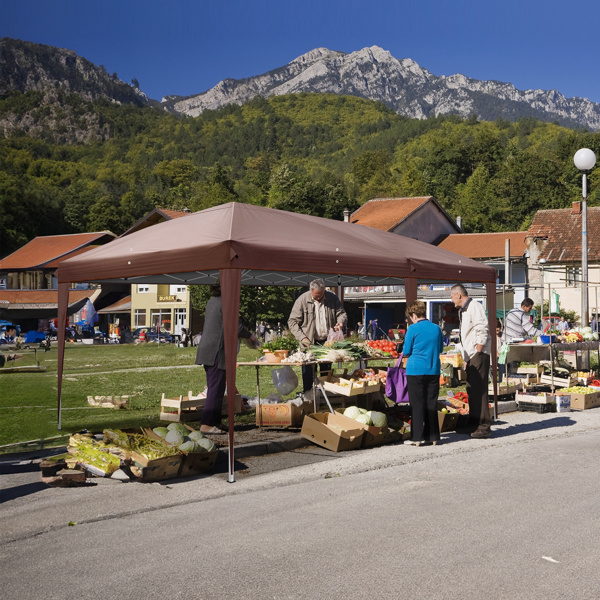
x: 422, y: 345
x: 211, y: 354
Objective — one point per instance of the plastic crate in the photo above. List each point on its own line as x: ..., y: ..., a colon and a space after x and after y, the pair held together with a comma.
x: 536, y: 407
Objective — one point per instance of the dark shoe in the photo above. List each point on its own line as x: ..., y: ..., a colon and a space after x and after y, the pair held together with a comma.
x: 480, y: 434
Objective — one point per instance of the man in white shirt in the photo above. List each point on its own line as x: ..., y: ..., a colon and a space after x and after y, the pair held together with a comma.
x: 476, y: 343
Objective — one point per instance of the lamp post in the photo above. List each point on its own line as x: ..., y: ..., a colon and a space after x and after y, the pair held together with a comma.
x: 584, y: 160
x: 542, y: 262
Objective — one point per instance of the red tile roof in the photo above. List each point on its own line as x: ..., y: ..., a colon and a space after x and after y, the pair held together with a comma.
x: 485, y: 245
x: 562, y: 231
x: 155, y: 216
x: 387, y: 213
x: 40, y: 297
x: 51, y: 249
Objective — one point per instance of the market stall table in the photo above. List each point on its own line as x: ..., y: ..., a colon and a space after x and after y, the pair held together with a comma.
x: 317, y: 384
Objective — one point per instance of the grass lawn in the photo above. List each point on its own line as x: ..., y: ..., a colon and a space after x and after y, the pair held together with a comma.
x: 28, y: 401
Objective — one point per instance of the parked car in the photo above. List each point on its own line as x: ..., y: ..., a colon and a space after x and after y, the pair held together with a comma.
x: 150, y: 335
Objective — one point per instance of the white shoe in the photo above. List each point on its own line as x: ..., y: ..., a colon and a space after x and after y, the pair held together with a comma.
x: 412, y: 443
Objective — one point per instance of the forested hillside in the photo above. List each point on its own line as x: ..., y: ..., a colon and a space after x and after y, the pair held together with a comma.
x: 70, y: 165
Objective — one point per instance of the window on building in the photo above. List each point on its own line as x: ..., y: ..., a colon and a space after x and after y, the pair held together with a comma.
x: 139, y: 317
x: 161, y: 318
x: 573, y: 276
x: 177, y: 289
x: 143, y: 288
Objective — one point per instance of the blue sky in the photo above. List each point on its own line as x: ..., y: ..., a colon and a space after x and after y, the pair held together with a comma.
x: 185, y: 47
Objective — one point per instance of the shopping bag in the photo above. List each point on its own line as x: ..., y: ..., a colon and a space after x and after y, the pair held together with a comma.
x: 396, y: 385
x: 503, y: 353
x: 335, y: 336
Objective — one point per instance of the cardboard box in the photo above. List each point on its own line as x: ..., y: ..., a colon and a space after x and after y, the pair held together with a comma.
x: 447, y: 421
x: 582, y: 401
x: 191, y: 463
x: 157, y: 469
x: 332, y: 431
x: 374, y: 436
x: 282, y: 414
x: 563, y: 403
x: 331, y: 383
x: 456, y: 360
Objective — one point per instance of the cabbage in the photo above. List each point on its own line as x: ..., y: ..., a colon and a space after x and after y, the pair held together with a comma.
x: 588, y: 337
x: 190, y: 446
x: 161, y: 432
x: 364, y: 419
x: 586, y: 330
x: 174, y: 437
x: 595, y: 336
x: 363, y: 411
x: 196, y: 435
x: 377, y: 418
x: 178, y: 427
x: 352, y: 412
x: 206, y: 445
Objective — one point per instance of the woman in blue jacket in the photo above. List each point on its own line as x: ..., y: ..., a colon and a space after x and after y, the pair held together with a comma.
x: 423, y: 344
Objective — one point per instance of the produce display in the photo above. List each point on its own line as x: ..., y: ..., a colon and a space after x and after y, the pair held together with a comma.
x: 579, y: 389
x: 183, y: 439
x: 338, y: 352
x: 366, y: 417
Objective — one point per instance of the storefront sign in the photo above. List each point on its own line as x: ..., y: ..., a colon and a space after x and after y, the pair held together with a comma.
x: 167, y: 298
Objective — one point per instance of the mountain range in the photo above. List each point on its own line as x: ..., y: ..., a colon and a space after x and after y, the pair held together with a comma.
x: 371, y: 73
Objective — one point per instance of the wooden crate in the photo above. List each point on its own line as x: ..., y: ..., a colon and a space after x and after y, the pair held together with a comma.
x: 190, y: 408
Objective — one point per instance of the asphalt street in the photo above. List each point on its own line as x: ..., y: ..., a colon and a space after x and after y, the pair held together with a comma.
x: 513, y: 516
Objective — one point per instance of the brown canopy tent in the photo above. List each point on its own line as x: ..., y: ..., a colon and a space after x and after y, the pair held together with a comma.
x: 242, y: 244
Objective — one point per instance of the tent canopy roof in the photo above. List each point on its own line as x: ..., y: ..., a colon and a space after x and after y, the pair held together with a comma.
x: 271, y: 247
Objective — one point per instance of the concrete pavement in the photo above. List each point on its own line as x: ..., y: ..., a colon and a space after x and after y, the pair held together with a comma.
x: 513, y: 516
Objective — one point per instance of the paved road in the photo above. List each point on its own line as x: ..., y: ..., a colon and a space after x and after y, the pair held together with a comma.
x: 510, y: 517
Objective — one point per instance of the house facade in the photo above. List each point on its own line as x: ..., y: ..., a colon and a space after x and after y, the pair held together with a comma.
x: 28, y: 288
x: 554, y: 257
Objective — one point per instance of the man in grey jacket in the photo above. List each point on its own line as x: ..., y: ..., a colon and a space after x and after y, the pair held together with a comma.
x: 314, y: 313
x: 211, y: 354
x: 476, y: 343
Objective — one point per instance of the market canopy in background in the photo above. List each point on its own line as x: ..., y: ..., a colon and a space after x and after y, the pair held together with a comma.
x: 242, y: 244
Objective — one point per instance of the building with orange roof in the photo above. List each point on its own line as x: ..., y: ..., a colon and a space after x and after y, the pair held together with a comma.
x: 554, y: 247
x: 421, y: 218
x: 28, y: 288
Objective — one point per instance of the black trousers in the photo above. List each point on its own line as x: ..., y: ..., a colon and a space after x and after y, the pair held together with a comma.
x: 423, y: 392
x: 216, y: 381
x: 478, y: 371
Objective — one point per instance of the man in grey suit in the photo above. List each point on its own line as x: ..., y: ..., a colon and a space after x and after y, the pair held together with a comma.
x: 211, y: 354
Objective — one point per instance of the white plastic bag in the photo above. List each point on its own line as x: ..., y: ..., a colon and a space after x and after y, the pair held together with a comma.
x: 285, y: 380
x: 335, y: 336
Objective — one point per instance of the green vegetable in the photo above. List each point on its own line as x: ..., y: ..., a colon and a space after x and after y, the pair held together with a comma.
x: 364, y: 419
x: 207, y: 444
x: 161, y: 431
x: 180, y: 427
x: 174, y: 437
x: 190, y: 446
x: 352, y: 412
x: 196, y: 435
x: 377, y: 418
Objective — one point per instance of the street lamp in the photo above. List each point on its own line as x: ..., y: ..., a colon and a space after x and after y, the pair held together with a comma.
x: 542, y: 262
x: 584, y: 160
